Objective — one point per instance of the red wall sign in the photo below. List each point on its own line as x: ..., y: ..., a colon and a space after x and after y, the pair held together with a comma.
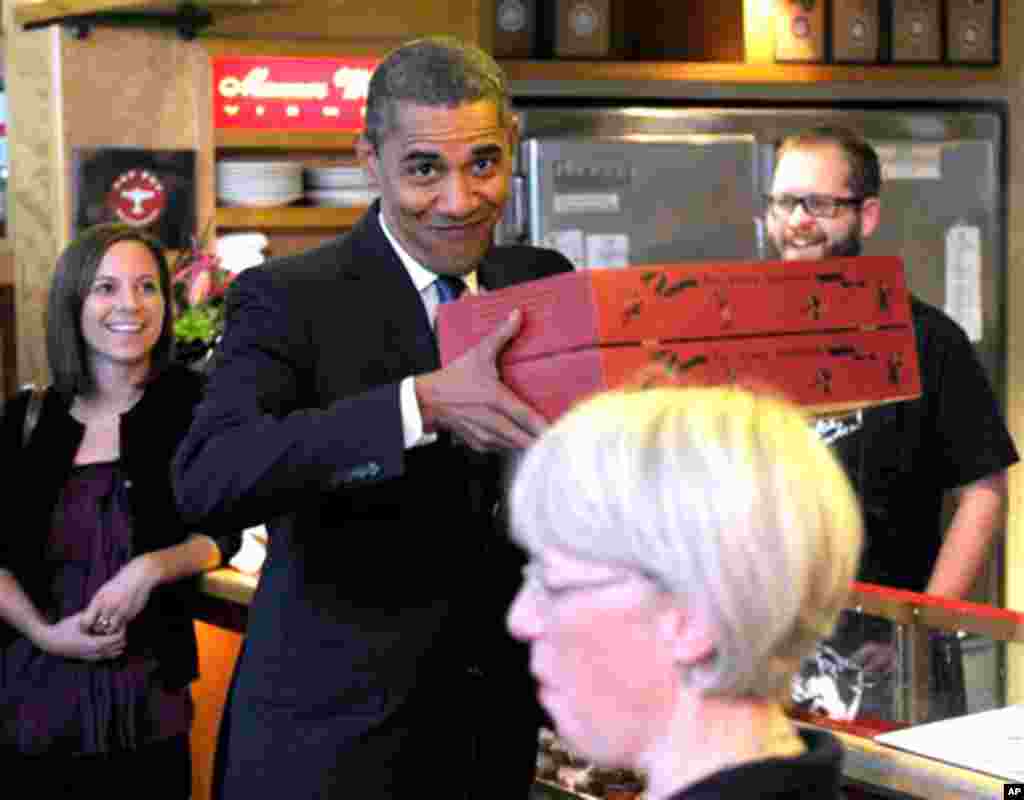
x: 282, y: 93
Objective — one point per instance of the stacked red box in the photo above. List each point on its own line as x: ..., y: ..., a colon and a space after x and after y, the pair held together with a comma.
x: 831, y: 335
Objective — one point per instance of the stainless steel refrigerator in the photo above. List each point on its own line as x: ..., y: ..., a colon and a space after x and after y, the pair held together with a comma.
x: 618, y: 185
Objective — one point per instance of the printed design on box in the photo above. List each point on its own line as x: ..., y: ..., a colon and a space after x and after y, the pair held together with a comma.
x: 137, y: 197
x: 815, y: 307
x: 728, y: 363
x: 823, y: 380
x: 829, y: 336
x: 662, y: 287
x: 677, y: 367
x: 721, y: 300
x: 859, y: 29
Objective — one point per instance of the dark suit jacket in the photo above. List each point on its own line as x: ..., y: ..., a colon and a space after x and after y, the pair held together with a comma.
x: 356, y: 631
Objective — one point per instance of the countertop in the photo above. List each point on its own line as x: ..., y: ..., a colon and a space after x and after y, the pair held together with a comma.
x: 866, y: 761
x: 229, y: 584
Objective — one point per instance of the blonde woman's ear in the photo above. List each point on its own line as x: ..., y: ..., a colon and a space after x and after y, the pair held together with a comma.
x: 687, y: 634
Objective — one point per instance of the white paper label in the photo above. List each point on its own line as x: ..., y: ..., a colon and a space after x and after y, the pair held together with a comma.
x: 910, y: 161
x: 986, y: 741
x: 607, y: 250
x: 587, y: 203
x: 963, y: 278
x: 570, y: 244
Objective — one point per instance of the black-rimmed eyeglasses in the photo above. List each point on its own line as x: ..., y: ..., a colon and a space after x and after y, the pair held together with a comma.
x: 817, y: 205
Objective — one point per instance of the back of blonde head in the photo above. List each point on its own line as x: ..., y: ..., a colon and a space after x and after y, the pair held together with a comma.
x: 724, y: 497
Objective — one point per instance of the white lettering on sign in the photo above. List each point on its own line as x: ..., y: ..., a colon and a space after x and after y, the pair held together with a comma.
x: 353, y: 82
x: 258, y: 84
x: 586, y: 203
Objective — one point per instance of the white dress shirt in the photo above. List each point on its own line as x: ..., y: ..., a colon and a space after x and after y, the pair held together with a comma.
x: 423, y: 279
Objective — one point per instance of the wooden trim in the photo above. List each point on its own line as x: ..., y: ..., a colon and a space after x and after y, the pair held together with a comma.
x: 33, y: 12
x: 311, y: 48
x: 291, y: 217
x: 285, y: 140
x: 740, y: 73
x: 911, y: 608
x: 229, y: 584
x: 874, y: 764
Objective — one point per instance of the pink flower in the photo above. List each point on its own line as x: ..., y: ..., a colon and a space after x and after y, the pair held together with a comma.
x: 203, y: 278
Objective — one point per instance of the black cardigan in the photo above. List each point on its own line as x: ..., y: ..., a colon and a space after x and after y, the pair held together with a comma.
x: 150, y: 433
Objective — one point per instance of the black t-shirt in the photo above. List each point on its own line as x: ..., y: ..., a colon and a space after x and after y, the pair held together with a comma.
x: 814, y: 774
x: 903, y: 457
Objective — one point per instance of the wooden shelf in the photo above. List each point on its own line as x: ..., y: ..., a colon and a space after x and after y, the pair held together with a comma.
x: 289, y: 217
x: 286, y: 140
x: 34, y: 12
x: 742, y: 73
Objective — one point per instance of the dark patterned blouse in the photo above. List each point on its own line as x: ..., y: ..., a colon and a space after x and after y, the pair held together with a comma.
x: 61, y: 705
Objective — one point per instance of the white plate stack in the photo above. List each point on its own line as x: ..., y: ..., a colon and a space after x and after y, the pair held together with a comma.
x: 260, y: 184
x: 338, y: 185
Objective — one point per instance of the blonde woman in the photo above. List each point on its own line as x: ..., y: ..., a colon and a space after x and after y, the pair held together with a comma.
x: 687, y: 548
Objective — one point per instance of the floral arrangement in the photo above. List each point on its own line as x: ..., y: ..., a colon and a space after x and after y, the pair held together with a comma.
x: 199, y: 281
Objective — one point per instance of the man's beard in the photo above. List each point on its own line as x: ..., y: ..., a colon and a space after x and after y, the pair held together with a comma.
x: 849, y: 245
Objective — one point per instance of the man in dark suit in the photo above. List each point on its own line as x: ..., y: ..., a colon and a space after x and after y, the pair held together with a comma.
x: 375, y: 664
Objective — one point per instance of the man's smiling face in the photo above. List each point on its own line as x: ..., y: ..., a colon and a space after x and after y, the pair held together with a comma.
x: 818, y: 169
x: 443, y: 175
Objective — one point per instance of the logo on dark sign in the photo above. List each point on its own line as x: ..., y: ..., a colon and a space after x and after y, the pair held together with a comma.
x: 137, y: 197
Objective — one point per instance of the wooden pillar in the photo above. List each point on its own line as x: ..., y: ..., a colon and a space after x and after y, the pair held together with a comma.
x: 34, y: 202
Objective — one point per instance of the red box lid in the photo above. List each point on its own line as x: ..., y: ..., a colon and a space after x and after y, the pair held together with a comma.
x: 682, y: 302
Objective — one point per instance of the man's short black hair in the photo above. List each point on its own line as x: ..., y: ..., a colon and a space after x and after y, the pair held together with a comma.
x: 434, y: 71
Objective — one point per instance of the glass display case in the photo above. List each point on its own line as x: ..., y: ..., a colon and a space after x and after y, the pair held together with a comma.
x: 913, y: 685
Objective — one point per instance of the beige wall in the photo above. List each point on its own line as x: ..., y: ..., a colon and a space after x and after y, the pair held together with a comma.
x: 115, y: 88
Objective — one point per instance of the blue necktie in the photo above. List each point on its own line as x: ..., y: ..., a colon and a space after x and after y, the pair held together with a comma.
x: 449, y: 288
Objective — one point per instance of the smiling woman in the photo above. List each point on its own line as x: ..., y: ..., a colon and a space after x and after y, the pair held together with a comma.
x: 123, y: 313
x: 96, y: 645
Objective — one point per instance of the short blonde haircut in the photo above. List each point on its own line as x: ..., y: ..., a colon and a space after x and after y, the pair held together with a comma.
x: 724, y: 497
